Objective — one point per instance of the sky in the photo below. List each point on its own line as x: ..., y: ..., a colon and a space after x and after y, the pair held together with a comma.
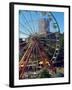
x: 60, y: 19
x: 29, y: 22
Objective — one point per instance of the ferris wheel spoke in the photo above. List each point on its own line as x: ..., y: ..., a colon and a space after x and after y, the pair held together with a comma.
x: 36, y: 52
x: 23, y: 49
x: 25, y: 28
x: 25, y: 25
x: 33, y: 55
x: 27, y: 22
x: 32, y: 22
x: 50, y: 46
x: 24, y: 33
x: 41, y: 48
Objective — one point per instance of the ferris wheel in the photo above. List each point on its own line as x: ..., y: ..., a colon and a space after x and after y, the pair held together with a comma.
x: 40, y: 42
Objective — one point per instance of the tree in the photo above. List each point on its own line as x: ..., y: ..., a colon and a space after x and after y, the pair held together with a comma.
x: 45, y: 74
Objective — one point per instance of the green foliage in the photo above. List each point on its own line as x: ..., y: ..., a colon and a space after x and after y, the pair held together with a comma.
x: 45, y: 74
x: 62, y: 40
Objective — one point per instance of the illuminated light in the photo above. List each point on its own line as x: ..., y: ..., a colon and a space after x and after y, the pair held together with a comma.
x: 34, y: 72
x: 22, y: 65
x: 41, y: 62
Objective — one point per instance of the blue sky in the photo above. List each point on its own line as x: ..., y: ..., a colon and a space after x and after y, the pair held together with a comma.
x: 60, y: 19
x: 29, y: 20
